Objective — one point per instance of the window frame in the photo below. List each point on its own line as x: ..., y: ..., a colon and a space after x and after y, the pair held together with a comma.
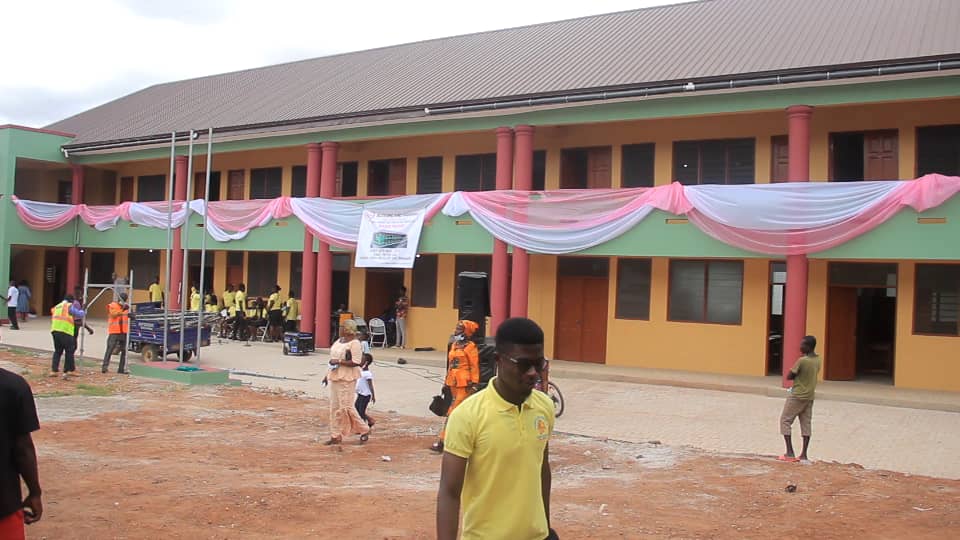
x: 706, y: 290
x: 266, y: 182
x: 727, y: 143
x: 653, y: 163
x: 916, y: 297
x: 487, y: 161
x: 414, y: 285
x: 154, y: 178
x: 917, y: 134
x: 424, y: 163
x: 649, y: 269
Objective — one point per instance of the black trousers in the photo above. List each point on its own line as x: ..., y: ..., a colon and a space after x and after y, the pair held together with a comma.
x: 65, y: 345
x: 361, y: 406
x: 12, y: 315
x: 113, y: 341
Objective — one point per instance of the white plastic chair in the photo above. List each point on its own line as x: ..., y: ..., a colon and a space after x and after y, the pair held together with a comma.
x: 376, y: 329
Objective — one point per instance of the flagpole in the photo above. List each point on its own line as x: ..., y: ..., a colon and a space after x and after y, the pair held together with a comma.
x: 166, y: 299
x: 185, y: 241
x: 203, y: 241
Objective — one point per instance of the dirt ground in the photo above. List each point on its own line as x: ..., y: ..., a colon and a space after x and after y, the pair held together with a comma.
x: 128, y: 458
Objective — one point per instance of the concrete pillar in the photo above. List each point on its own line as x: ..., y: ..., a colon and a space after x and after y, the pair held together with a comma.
x: 795, y: 312
x: 328, y: 184
x: 73, y: 253
x: 308, y: 284
x: 176, y: 264
x: 523, y: 181
x: 499, y: 287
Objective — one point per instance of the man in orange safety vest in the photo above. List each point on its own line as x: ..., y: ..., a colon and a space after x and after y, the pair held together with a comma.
x: 117, y: 324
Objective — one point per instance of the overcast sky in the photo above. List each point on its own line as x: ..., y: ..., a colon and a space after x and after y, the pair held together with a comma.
x: 65, y: 56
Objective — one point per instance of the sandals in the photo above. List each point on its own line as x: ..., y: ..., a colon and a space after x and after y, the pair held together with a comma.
x: 364, y: 438
x: 332, y: 442
x: 437, y: 447
x: 788, y: 459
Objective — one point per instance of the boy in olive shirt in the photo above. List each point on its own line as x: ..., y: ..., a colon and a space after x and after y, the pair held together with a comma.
x: 800, y: 402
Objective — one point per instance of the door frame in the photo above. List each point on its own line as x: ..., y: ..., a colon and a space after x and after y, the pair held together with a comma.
x: 896, y: 318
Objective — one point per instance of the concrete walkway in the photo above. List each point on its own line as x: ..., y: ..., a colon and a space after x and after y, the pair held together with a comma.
x: 875, y: 426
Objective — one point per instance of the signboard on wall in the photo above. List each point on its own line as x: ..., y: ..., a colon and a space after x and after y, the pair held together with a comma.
x: 389, y: 239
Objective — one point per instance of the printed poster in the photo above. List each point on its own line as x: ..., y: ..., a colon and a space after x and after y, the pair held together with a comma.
x: 389, y: 239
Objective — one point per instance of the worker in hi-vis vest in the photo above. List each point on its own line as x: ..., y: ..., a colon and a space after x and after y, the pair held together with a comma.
x: 118, y: 322
x: 62, y: 320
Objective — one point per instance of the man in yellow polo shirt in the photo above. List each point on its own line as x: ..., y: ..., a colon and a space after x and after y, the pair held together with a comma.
x: 156, y: 292
x: 496, y: 458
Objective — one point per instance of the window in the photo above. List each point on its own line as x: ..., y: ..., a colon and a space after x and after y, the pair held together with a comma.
x: 539, y: 170
x: 150, y: 188
x: 126, y: 189
x: 145, y: 266
x: 266, y: 183
x: 725, y: 161
x: 200, y: 182
x: 424, y: 283
x: 637, y: 167
x: 296, y: 273
x: 299, y: 185
x: 476, y: 173
x: 387, y: 177
x: 582, y: 168
x: 261, y: 273
x: 706, y: 291
x: 779, y: 158
x: 347, y: 179
x: 936, y: 304
x: 101, y: 267
x: 430, y: 175
x: 469, y: 263
x: 235, y: 181
x: 65, y: 192
x: 633, y: 289
x: 938, y: 150
x: 864, y: 156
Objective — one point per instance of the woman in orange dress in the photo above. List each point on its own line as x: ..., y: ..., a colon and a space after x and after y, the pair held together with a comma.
x: 346, y: 355
x: 463, y: 370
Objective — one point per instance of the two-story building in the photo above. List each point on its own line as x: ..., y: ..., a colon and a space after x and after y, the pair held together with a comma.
x: 713, y: 92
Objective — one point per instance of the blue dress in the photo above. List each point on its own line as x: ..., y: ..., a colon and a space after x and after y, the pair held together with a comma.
x: 23, y: 301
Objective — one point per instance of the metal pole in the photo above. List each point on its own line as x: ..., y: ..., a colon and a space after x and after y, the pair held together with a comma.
x: 166, y: 299
x: 203, y: 241
x: 126, y: 344
x: 83, y: 303
x: 185, y: 240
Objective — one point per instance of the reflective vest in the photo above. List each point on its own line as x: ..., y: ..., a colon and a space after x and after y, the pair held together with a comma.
x: 60, y: 318
x: 117, y: 321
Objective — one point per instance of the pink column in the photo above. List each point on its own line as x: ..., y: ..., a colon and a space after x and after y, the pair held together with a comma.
x: 308, y: 282
x: 328, y: 180
x: 73, y: 253
x: 498, y: 279
x: 795, y: 313
x: 523, y: 181
x: 176, y: 260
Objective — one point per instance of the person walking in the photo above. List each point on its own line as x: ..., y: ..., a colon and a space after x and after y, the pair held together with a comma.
x: 18, y: 457
x: 117, y: 325
x: 23, y: 301
x: 63, y: 321
x: 800, y: 401
x: 463, y: 371
x: 345, y: 359
x: 13, y: 296
x: 365, y: 391
x: 402, y: 306
x: 496, y: 461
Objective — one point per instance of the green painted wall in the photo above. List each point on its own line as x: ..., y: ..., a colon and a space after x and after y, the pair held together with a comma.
x: 685, y: 105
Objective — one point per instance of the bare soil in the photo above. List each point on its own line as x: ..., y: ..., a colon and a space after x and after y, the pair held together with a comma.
x: 128, y: 458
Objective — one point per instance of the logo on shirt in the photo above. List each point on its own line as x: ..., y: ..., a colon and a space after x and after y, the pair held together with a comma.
x: 543, y: 430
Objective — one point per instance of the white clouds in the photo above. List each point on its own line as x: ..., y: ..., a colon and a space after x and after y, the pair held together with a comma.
x: 64, y: 57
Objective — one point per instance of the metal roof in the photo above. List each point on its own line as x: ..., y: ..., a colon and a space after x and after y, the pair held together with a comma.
x: 709, y: 38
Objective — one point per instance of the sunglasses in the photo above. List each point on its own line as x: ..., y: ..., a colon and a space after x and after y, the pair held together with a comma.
x: 524, y: 364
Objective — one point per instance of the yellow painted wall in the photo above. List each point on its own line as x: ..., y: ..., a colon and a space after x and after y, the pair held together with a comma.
x: 817, y: 288
x: 718, y: 348
x: 432, y: 327
x: 921, y: 361
x: 542, y: 297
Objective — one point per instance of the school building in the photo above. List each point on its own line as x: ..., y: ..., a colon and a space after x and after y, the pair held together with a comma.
x: 710, y: 92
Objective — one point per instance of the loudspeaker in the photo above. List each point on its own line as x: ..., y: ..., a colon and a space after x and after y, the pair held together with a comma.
x: 473, y: 291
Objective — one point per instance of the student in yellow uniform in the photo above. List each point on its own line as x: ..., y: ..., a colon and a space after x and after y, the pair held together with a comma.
x: 291, y: 313
x: 229, y: 300
x: 194, y: 299
x: 156, y: 292
x: 501, y: 432
x: 240, y: 298
x: 274, y: 311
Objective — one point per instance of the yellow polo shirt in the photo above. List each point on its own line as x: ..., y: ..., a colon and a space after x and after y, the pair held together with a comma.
x: 503, y: 446
x: 294, y: 312
x: 156, y: 293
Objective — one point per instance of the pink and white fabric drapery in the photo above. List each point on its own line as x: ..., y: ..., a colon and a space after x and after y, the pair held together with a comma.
x: 773, y: 219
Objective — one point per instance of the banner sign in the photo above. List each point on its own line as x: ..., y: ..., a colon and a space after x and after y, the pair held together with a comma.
x: 389, y: 239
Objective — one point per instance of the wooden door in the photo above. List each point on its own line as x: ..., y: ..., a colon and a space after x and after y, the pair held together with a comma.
x: 569, y: 171
x: 581, y: 334
x: 234, y: 275
x: 380, y: 293
x: 235, y: 182
x: 841, y: 351
x: 126, y: 189
x: 397, y: 179
x: 880, y: 160
x: 779, y: 158
x: 569, y: 317
x: 598, y: 167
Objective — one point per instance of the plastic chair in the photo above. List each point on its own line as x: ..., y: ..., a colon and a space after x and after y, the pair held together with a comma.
x: 378, y: 329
